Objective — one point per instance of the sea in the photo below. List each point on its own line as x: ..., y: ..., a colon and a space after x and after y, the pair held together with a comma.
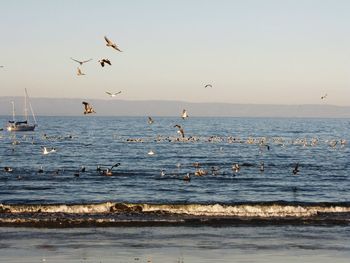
x: 118, y: 189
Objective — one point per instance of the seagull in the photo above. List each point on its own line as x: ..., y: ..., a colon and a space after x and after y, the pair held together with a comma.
x: 208, y: 86
x: 150, y: 121
x: 262, y: 167
x: 8, y: 169
x: 108, y: 171
x: 181, y: 130
x: 187, y: 177
x: 296, y: 169
x: 162, y: 173
x: 236, y: 167
x: 41, y: 170
x: 79, y: 73
x: 113, y: 94
x: 111, y: 44
x: 105, y: 60
x: 184, y: 114
x: 151, y: 152
x: 88, y: 108
x: 324, y: 96
x: 47, y: 151
x: 81, y: 62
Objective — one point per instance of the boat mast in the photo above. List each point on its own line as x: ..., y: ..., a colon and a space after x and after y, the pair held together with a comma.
x: 13, y: 111
x: 31, y: 108
x: 25, y: 106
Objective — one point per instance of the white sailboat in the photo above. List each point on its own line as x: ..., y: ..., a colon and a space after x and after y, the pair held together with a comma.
x: 22, y: 125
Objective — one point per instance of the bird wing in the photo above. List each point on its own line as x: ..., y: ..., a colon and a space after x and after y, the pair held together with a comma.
x: 182, y: 133
x: 86, y: 60
x: 116, y: 47
x: 108, y: 41
x: 108, y: 62
x: 86, y: 105
x: 75, y: 60
x: 109, y: 93
x: 116, y: 93
x: 79, y: 71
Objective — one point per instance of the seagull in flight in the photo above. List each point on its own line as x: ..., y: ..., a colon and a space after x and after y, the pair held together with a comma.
x: 208, y: 86
x: 113, y: 94
x: 81, y: 62
x: 180, y: 130
x: 184, y: 114
x: 111, y: 44
x: 324, y: 96
x: 79, y: 73
x: 88, y: 108
x: 150, y: 120
x: 105, y: 60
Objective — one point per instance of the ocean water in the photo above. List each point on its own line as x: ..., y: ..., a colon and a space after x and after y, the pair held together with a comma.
x: 149, y: 206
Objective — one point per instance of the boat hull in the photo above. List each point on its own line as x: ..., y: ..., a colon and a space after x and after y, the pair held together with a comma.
x: 20, y: 127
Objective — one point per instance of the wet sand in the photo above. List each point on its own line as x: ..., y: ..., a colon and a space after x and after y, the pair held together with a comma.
x: 176, y: 244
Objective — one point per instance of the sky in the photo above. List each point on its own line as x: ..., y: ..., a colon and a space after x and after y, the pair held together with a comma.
x: 251, y: 51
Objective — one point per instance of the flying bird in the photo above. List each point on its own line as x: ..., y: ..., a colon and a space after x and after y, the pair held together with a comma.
x: 184, y: 114
x: 105, y: 60
x: 113, y: 94
x: 111, y: 44
x: 88, y: 108
x: 180, y: 130
x: 79, y: 73
x: 208, y: 86
x: 324, y: 96
x: 108, y: 171
x: 150, y: 121
x: 81, y: 62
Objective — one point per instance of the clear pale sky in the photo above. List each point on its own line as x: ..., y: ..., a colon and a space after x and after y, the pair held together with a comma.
x: 268, y: 52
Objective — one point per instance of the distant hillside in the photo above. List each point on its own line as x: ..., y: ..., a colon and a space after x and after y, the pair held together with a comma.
x: 115, y: 107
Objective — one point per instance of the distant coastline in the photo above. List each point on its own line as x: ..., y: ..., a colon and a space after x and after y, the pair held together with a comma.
x: 116, y: 107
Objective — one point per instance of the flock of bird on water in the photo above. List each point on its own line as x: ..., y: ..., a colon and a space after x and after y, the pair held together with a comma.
x: 88, y: 109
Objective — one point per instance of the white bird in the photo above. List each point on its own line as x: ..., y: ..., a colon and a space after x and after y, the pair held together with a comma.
x: 47, y: 151
x: 151, y: 152
x: 81, y: 62
x: 113, y: 94
x: 79, y: 73
x: 184, y: 114
x: 111, y: 44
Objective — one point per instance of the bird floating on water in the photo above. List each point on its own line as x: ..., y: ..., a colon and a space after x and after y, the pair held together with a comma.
x: 81, y: 62
x: 105, y: 60
x: 296, y: 169
x: 111, y: 44
x: 88, y: 108
x: 79, y: 72
x: 113, y: 94
x: 151, y: 152
x: 48, y: 151
x: 8, y: 169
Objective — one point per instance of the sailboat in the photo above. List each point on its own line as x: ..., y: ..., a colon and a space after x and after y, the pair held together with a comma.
x: 22, y: 125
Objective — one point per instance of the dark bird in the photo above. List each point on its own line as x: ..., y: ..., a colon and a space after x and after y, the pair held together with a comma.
x: 208, y: 86
x: 8, y: 169
x: 111, y: 44
x: 296, y: 169
x: 187, y: 177
x: 82, y: 169
x: 180, y: 130
x: 81, y: 62
x: 88, y: 108
x: 41, y: 170
x: 150, y: 121
x: 324, y: 96
x: 105, y: 60
x: 113, y: 94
